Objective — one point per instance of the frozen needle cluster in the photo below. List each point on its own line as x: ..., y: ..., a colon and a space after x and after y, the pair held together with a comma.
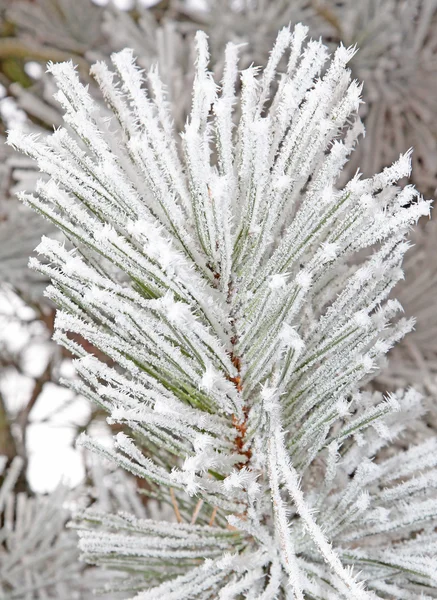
x: 218, y: 278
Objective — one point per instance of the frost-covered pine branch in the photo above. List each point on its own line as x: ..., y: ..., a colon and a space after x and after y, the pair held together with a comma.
x: 222, y: 282
x: 397, y: 62
x: 20, y: 229
x: 38, y: 557
x: 72, y: 26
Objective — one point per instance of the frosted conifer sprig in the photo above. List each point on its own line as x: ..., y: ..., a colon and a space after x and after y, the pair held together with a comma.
x: 215, y: 277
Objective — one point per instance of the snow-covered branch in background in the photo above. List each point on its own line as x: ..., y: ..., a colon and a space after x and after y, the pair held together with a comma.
x: 397, y: 61
x: 414, y: 362
x: 220, y: 281
x: 38, y: 556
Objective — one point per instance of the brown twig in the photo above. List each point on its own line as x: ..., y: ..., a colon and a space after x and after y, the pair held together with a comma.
x: 175, y: 506
x: 213, y: 515
x: 11, y: 47
x: 196, y: 512
x: 8, y: 446
x: 328, y: 15
x: 23, y: 417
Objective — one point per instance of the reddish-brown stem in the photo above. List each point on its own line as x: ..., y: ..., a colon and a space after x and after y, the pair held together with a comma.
x: 175, y: 506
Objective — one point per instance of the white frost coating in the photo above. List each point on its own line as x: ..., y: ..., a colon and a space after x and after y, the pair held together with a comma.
x: 230, y: 321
